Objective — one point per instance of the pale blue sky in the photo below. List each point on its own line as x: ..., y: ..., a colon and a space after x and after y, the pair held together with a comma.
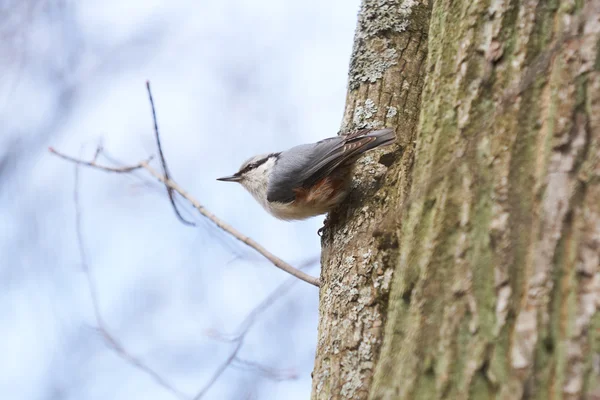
x: 231, y: 79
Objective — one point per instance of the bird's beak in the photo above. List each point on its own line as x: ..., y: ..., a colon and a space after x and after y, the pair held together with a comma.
x: 231, y: 178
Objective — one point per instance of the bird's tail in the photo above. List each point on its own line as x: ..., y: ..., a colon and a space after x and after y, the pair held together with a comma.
x: 383, y: 137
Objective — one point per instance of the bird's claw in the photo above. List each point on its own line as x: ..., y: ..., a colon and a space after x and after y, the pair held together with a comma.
x: 325, y: 224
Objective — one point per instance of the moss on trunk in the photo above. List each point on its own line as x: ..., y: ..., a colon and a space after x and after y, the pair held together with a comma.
x: 490, y: 226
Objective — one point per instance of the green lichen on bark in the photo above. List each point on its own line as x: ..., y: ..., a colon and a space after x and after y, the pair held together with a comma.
x: 490, y: 226
x: 496, y: 291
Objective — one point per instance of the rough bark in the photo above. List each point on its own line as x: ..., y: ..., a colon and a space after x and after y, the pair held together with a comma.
x: 360, y: 245
x: 490, y: 225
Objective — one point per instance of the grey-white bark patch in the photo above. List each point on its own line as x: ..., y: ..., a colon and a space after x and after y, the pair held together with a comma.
x: 391, y: 112
x: 360, y: 248
x: 363, y: 115
x: 502, y: 307
x: 368, y: 65
x: 378, y: 16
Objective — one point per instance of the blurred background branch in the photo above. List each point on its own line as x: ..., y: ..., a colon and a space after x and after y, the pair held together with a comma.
x: 238, y: 340
x: 173, y: 186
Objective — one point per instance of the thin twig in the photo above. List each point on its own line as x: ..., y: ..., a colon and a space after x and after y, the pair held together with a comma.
x: 119, y: 349
x: 264, y: 370
x: 119, y: 170
x: 82, y: 252
x: 99, y: 150
x: 243, y: 329
x: 279, y: 292
x: 163, y: 161
x: 279, y: 263
x: 247, y: 322
x: 172, y: 186
x: 110, y: 340
x: 219, y: 371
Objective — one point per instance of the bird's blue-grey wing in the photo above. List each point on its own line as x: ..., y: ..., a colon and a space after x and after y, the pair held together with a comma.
x: 304, y: 165
x: 347, y: 151
x: 294, y: 166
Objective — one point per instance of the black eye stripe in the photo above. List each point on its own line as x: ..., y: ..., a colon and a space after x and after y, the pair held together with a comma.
x: 256, y: 164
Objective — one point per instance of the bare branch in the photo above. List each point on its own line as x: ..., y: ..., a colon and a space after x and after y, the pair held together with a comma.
x: 163, y: 161
x: 232, y: 231
x: 219, y: 371
x: 279, y: 263
x: 233, y: 360
x: 99, y: 150
x: 279, y: 292
x: 110, y: 340
x: 119, y: 170
x: 268, y: 372
x: 172, y: 186
x: 240, y: 335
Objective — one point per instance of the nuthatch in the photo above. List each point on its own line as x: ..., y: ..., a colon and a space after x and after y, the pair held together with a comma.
x: 309, y: 179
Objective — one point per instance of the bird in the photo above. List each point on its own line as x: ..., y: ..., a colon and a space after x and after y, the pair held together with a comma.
x: 309, y: 179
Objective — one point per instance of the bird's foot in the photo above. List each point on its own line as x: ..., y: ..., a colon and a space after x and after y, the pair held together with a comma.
x: 325, y: 225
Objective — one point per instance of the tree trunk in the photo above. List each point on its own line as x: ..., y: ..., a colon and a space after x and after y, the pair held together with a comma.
x: 466, y: 265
